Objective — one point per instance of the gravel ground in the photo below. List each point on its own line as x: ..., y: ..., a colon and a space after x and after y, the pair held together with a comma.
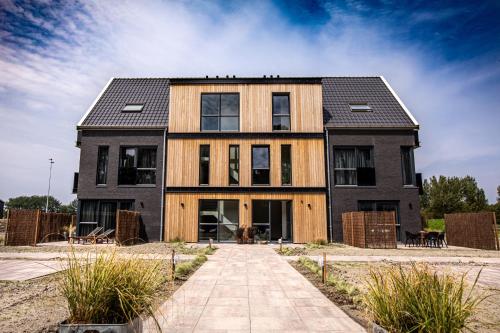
x: 487, y: 318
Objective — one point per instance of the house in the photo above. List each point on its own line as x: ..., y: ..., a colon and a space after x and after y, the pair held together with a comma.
x: 200, y: 157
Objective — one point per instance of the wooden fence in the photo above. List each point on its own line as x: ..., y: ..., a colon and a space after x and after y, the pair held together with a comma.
x: 475, y: 230
x: 376, y: 230
x: 127, y: 227
x: 28, y: 226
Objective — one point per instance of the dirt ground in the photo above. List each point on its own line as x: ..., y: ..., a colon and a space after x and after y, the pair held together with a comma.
x: 451, y: 251
x: 37, y: 305
x: 487, y: 318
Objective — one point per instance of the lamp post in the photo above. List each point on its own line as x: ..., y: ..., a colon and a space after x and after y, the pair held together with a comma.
x: 51, y: 161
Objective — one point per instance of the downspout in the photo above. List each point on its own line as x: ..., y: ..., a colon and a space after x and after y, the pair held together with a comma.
x: 328, y: 184
x: 162, y: 216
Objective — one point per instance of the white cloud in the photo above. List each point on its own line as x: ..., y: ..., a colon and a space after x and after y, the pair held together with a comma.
x: 45, y: 90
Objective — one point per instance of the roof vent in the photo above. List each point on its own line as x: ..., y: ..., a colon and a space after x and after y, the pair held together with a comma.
x: 217, y: 76
x: 360, y: 107
x: 264, y: 76
x: 206, y: 76
x: 227, y: 76
x: 234, y: 76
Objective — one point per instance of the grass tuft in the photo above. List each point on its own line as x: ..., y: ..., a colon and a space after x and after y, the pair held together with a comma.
x: 419, y: 300
x: 183, y: 269
x: 291, y: 251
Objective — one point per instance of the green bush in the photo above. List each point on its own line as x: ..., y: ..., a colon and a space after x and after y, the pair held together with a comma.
x: 435, y: 224
x: 110, y: 289
x: 185, y: 268
x: 419, y: 300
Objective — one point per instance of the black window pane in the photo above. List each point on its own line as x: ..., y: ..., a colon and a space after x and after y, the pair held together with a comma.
x: 210, y: 104
x: 260, y: 177
x: 208, y: 211
x: 366, y: 176
x: 407, y: 166
x: 260, y: 211
x: 126, y: 205
x: 207, y: 231
x: 229, y: 123
x: 127, y: 176
x: 260, y: 157
x: 146, y: 177
x: 365, y: 158
x: 102, y: 165
x: 209, y: 123
x: 286, y: 165
x: 204, y: 164
x: 146, y: 158
x: 366, y: 206
x: 281, y: 105
x: 281, y: 123
x: 345, y: 158
x: 127, y: 157
x: 230, y: 104
x: 234, y: 165
x: 345, y: 177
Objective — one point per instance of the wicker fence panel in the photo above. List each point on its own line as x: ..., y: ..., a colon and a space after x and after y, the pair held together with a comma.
x: 369, y: 229
x: 21, y: 227
x: 127, y: 227
x: 475, y: 230
x: 380, y: 230
x: 51, y: 226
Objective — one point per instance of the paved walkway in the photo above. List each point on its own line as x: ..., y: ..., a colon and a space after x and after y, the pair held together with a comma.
x: 250, y: 289
x: 22, y: 270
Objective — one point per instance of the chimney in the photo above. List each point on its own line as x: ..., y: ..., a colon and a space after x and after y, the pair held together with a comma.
x: 227, y: 76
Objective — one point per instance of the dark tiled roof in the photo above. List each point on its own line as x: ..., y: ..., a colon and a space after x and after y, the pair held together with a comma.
x: 339, y: 92
x: 153, y: 93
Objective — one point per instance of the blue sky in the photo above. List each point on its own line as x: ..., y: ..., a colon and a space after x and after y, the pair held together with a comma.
x: 442, y: 58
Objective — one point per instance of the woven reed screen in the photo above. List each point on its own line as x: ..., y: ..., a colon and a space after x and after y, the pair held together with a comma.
x: 30, y: 226
x: 376, y: 230
x: 127, y: 227
x: 475, y: 230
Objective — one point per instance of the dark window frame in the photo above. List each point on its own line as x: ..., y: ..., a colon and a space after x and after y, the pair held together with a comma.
x: 106, y: 166
x: 289, y: 146
x: 219, y: 115
x: 237, y: 165
x: 200, y: 166
x: 356, y: 168
x: 269, y: 162
x: 411, y: 156
x: 289, y: 116
x: 137, y: 169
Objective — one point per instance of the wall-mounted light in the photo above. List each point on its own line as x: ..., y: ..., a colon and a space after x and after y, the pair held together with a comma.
x: 245, y: 205
x: 309, y: 205
x: 302, y: 201
x: 410, y: 205
x: 182, y: 205
x: 142, y: 204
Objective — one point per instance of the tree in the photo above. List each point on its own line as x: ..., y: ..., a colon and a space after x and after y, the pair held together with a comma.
x: 34, y: 202
x: 70, y: 208
x: 452, y: 194
x: 498, y: 193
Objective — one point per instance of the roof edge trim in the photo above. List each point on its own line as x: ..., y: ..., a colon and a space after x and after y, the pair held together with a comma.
x: 399, y: 100
x: 94, y: 103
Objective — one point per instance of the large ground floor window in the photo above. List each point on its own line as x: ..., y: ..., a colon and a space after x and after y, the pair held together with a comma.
x: 382, y: 206
x: 218, y: 220
x: 272, y: 219
x: 100, y: 213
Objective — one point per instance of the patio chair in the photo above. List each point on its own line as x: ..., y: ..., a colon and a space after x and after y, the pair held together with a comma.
x: 105, y: 236
x: 431, y: 239
x: 90, y: 236
x: 441, y: 239
x: 412, y: 239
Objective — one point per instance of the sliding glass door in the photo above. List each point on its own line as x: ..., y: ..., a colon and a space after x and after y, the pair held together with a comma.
x: 218, y: 219
x: 272, y: 219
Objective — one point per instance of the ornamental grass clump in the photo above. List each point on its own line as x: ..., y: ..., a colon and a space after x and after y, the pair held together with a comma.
x: 419, y: 299
x: 107, y: 289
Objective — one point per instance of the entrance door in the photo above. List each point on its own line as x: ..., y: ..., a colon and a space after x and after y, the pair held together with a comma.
x: 218, y: 219
x: 272, y: 219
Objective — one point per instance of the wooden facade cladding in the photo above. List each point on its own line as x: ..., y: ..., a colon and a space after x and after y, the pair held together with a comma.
x: 306, y: 108
x: 309, y: 213
x: 308, y: 162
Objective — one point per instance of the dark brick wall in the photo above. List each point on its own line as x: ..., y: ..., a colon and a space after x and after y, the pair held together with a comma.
x: 389, y: 180
x: 147, y: 199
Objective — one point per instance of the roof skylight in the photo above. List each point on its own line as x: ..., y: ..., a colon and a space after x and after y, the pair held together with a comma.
x: 360, y: 107
x: 133, y: 108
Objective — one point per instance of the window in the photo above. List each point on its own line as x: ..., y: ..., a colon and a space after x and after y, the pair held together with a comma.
x: 286, y: 165
x: 234, y: 165
x: 133, y: 108
x: 354, y: 166
x: 220, y: 112
x: 360, y: 107
x: 102, y: 165
x: 281, y: 112
x: 137, y: 166
x: 260, y: 165
x: 204, y: 164
x: 408, y: 166
x: 218, y: 219
x: 102, y: 213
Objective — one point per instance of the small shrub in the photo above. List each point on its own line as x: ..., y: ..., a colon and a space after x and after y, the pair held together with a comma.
x: 291, y: 251
x: 110, y: 289
x: 419, y: 300
x: 182, y: 248
x: 316, y: 244
x: 185, y: 268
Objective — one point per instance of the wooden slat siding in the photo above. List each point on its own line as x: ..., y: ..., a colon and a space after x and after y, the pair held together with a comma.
x: 475, y: 230
x: 308, y: 164
x: 369, y: 229
x: 306, y: 106
x: 308, y: 224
